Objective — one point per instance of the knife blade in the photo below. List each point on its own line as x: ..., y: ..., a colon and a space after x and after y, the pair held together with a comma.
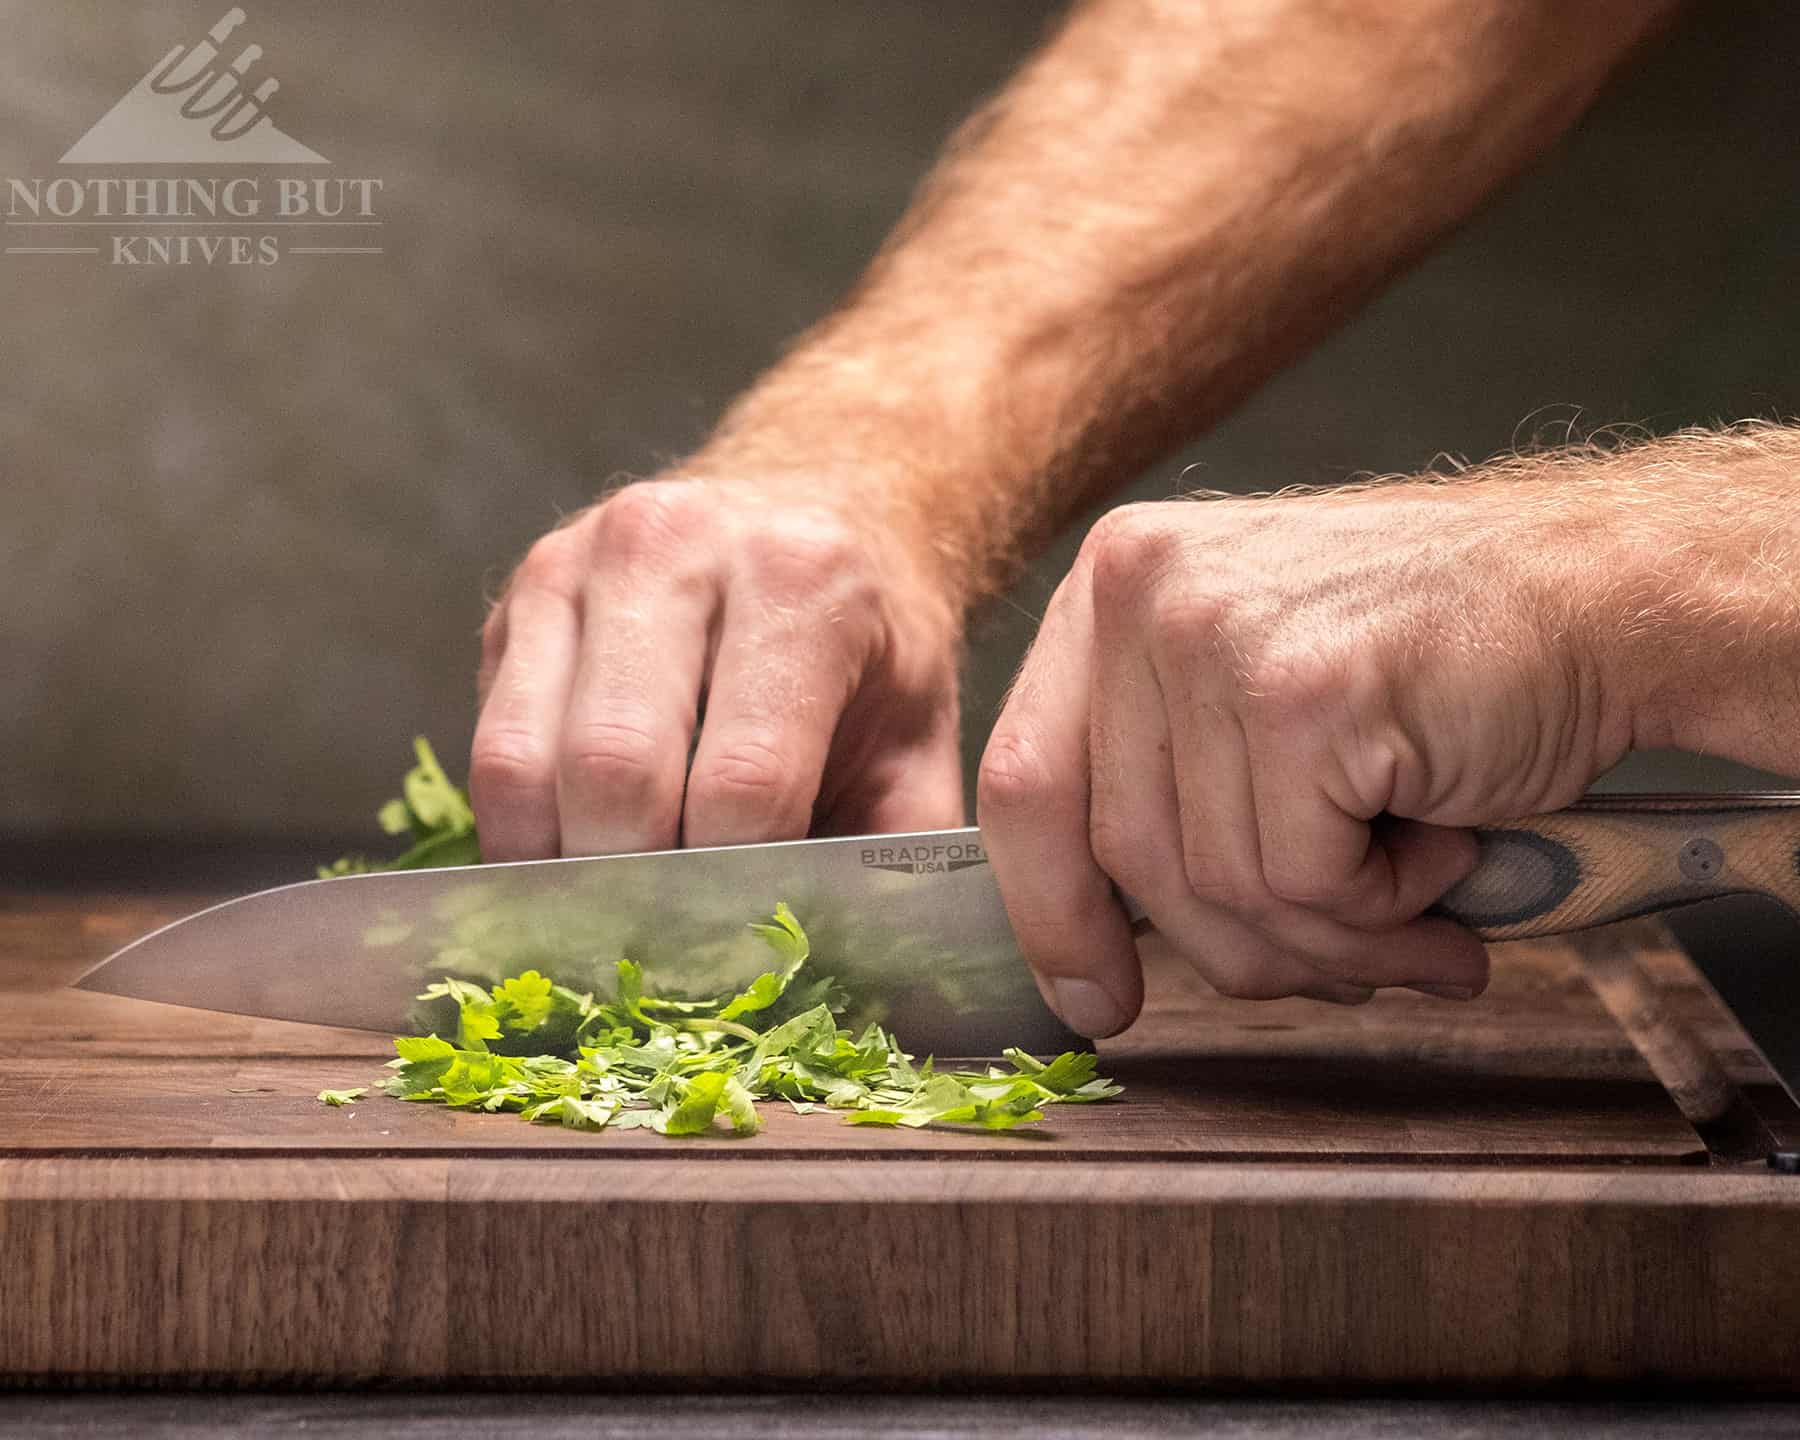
x: 912, y: 925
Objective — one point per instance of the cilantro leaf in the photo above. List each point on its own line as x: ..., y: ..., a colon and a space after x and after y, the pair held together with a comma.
x: 693, y: 1113
x: 1070, y: 1076
x: 573, y: 1111
x: 526, y: 1001
x: 476, y: 1025
x: 423, y: 1047
x: 788, y: 941
x: 343, y: 1097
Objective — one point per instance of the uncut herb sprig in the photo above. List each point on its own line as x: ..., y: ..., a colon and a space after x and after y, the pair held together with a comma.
x: 433, y: 811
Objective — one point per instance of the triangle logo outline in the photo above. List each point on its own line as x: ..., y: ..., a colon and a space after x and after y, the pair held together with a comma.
x: 195, y: 106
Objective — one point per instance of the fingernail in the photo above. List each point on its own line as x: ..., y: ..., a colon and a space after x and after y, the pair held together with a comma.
x: 1446, y: 992
x: 1085, y: 1007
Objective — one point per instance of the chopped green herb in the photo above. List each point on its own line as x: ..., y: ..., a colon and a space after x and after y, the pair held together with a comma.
x: 343, y: 1097
x: 698, y: 1067
x: 678, y: 1065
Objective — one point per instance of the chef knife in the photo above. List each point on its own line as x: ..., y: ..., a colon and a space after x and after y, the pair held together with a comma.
x: 911, y: 925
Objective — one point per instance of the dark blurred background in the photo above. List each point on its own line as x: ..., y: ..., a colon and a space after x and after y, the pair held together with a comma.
x: 248, y: 516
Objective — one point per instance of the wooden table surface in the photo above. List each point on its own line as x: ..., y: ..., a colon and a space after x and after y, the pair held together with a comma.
x: 1412, y: 1190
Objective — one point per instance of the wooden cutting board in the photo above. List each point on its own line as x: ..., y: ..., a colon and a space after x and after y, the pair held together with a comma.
x: 1408, y: 1191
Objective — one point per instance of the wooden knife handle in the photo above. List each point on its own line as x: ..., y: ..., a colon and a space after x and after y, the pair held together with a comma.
x: 1609, y: 857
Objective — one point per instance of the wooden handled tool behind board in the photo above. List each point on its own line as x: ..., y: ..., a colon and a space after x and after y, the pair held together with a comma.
x: 1610, y: 857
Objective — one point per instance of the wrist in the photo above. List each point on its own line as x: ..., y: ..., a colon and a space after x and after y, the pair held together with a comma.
x: 1672, y: 583
x: 828, y: 429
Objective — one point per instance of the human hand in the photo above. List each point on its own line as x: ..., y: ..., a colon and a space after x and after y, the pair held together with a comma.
x: 1268, y: 719
x: 824, y: 657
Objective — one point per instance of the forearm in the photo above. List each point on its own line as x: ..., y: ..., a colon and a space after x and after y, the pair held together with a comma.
x: 1679, y: 563
x: 1168, y: 203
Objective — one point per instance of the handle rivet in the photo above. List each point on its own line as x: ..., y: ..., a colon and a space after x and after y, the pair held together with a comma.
x: 1701, y: 859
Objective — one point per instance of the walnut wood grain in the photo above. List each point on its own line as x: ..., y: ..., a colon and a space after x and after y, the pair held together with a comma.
x: 1489, y: 1193
x: 699, y: 1271
x: 1616, y: 856
x: 1176, y: 1109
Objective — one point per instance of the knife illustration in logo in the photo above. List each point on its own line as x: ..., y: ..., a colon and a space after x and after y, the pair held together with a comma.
x: 195, y: 106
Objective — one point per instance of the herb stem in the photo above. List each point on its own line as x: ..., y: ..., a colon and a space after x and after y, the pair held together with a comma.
x: 718, y: 1027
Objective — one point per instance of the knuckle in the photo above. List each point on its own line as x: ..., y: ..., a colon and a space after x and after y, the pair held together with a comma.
x: 611, y: 758
x: 1195, y: 621
x: 1118, y: 849
x: 813, y: 550
x: 1294, y: 886
x: 1013, y: 779
x: 649, y: 518
x: 553, y: 563
x: 1291, y: 684
x: 748, y: 772
x: 1127, y: 548
x: 506, y: 763
x: 1219, y: 884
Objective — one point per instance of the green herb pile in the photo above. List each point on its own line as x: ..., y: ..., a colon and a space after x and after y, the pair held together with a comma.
x: 678, y: 1066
